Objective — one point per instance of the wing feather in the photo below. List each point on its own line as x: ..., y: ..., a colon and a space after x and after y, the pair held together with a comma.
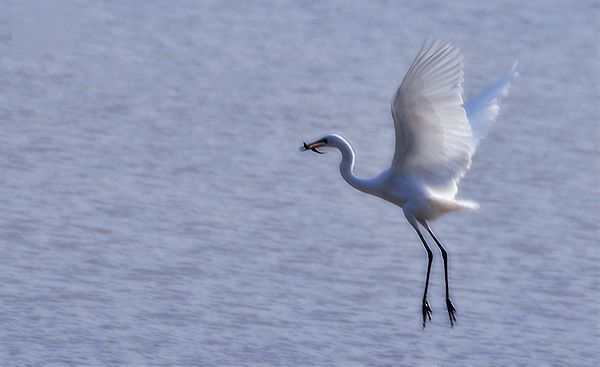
x: 433, y: 135
x: 482, y: 109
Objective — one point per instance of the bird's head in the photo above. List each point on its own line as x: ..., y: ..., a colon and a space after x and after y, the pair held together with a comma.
x: 332, y: 140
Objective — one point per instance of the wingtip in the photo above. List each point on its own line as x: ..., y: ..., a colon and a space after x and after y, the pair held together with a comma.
x: 516, y: 68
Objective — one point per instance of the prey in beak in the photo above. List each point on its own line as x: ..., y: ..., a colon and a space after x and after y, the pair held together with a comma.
x: 314, y: 146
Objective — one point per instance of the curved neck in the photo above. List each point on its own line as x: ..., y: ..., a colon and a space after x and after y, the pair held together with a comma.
x: 347, y: 169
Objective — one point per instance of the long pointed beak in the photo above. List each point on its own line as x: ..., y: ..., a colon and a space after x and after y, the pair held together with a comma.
x: 312, y: 146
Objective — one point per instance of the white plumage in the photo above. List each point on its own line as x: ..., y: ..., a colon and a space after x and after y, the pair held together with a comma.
x: 436, y: 136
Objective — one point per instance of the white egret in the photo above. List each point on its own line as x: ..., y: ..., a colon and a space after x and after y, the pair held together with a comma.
x: 436, y: 136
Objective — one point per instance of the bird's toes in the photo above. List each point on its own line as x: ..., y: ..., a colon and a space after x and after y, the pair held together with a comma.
x: 426, y: 310
x: 451, y: 311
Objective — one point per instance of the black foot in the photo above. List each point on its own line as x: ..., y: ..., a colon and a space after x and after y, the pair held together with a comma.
x: 451, y: 312
x: 426, y: 309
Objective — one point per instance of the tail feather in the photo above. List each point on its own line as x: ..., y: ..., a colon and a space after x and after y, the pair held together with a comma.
x: 439, y: 207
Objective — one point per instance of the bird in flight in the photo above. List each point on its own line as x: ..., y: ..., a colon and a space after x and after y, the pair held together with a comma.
x: 436, y: 136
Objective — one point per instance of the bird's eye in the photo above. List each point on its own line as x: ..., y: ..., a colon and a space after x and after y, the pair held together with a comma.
x: 324, y: 141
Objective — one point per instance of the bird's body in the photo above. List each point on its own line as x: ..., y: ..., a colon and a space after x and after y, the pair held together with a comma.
x: 406, y: 191
x: 436, y: 136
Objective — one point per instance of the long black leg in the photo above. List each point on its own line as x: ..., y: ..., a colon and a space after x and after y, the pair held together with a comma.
x: 426, y: 309
x: 449, y: 305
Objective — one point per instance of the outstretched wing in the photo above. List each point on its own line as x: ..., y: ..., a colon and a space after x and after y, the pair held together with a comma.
x: 482, y: 110
x: 433, y: 136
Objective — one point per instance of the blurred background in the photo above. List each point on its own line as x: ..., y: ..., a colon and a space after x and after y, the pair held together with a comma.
x: 156, y: 209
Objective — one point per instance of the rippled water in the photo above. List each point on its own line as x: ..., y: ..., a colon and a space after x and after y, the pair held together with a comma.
x: 156, y: 210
